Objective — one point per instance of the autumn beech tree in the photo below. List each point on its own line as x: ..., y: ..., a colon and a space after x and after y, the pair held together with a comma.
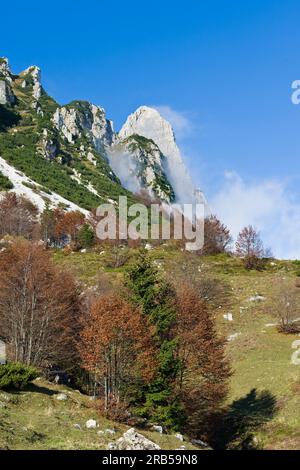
x: 18, y: 217
x: 116, y: 348
x: 217, y: 238
x: 70, y: 225
x: 249, y: 246
x: 39, y: 307
x: 205, y: 370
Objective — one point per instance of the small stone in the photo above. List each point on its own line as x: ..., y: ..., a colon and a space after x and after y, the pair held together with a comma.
x: 158, y: 429
x: 233, y: 336
x: 91, y: 424
x: 77, y: 426
x: 179, y: 436
x: 61, y: 397
x: 110, y: 431
x: 256, y: 298
x: 228, y: 316
x: 111, y: 446
x: 200, y: 443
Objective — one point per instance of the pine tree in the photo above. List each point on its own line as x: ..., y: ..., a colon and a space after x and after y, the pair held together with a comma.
x: 160, y: 399
x: 86, y: 236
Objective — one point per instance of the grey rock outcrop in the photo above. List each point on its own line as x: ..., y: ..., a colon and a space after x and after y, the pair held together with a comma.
x: 6, y: 94
x: 83, y: 118
x: 143, y: 158
x: 131, y: 440
x: 148, y: 122
x: 49, y: 146
x: 33, y: 75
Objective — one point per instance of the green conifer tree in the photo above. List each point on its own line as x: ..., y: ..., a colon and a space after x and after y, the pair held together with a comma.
x: 160, y: 400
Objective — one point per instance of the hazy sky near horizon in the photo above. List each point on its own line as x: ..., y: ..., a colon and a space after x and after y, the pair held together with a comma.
x: 220, y: 71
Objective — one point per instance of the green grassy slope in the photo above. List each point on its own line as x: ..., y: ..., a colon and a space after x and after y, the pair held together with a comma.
x: 35, y: 420
x: 260, y: 356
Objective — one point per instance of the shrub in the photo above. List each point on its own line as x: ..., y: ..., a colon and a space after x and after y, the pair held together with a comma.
x: 86, y: 236
x: 16, y: 375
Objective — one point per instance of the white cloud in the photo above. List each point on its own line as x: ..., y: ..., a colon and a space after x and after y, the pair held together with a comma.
x: 179, y: 120
x: 268, y: 205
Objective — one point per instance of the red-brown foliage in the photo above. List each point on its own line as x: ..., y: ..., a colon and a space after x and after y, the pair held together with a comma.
x: 205, y: 370
x: 39, y: 306
x: 116, y: 348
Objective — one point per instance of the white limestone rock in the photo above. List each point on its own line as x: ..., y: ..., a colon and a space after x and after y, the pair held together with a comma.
x: 61, y: 397
x: 49, y: 146
x: 131, y: 440
x: 6, y: 94
x: 4, y: 69
x: 158, y: 429
x: 91, y: 424
x: 85, y: 118
x: 139, y: 164
x: 148, y: 122
x: 35, y: 73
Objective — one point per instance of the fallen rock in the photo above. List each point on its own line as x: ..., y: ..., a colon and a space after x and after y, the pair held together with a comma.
x: 228, y: 316
x: 179, y: 436
x: 91, y: 424
x: 158, y: 429
x: 61, y: 397
x: 256, y: 298
x: 131, y: 440
x: 233, y: 336
x: 77, y: 426
x: 112, y: 446
x: 110, y: 431
x: 200, y: 443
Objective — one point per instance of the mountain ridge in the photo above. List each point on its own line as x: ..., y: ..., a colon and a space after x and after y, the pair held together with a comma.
x: 72, y: 152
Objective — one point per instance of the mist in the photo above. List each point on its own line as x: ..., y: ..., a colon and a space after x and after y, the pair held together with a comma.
x: 125, y: 167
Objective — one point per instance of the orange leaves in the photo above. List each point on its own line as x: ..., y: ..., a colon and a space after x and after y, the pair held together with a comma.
x: 116, y: 344
x: 39, y: 306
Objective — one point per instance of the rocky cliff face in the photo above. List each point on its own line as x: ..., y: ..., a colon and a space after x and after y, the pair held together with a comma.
x: 149, y: 123
x: 146, y: 166
x: 6, y: 95
x: 83, y: 118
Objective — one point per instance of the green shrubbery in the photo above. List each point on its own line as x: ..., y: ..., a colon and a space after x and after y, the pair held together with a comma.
x: 16, y: 375
x: 8, y: 118
x: 5, y: 183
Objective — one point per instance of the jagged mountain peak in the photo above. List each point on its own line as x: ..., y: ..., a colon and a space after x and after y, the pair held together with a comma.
x: 149, y: 123
x: 33, y: 70
x: 4, y: 66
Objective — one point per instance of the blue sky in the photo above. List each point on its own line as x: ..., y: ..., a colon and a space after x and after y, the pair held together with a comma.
x: 221, y: 69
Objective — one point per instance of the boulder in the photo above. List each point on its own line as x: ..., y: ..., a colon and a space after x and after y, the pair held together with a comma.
x: 91, y: 424
x: 131, y: 440
x: 179, y: 436
x: 61, y: 397
x: 256, y: 298
x: 199, y: 443
x: 158, y: 429
x: 110, y: 431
